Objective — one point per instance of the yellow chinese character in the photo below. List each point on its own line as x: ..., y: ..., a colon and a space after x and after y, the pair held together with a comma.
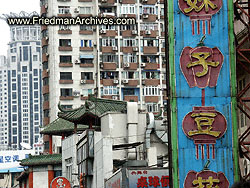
x: 193, y: 5
x: 202, y: 56
x: 204, y: 119
x: 200, y: 182
x: 211, y: 181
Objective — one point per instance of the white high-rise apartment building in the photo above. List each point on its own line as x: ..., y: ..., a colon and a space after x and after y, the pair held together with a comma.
x: 118, y: 62
x: 21, y: 86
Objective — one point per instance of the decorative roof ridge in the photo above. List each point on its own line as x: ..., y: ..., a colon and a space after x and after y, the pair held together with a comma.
x: 94, y: 99
x: 68, y: 110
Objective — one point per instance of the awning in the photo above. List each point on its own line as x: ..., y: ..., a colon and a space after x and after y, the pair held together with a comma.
x: 86, y: 56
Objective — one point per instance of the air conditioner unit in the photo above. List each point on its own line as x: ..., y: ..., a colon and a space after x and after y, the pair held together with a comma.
x: 46, y: 6
x: 77, y: 61
x: 116, y: 82
x: 135, y: 49
x: 120, y: 1
x: 76, y: 10
x: 46, y: 38
x: 126, y: 64
x: 94, y: 43
x: 124, y: 81
x: 104, y: 1
x: 83, y: 81
x: 143, y: 82
x: 143, y: 64
x: 76, y: 93
x: 47, y: 54
x: 134, y: 32
x: 101, y: 65
x: 144, y: 1
x: 102, y: 31
x: 145, y: 16
x: 114, y: 48
x: 148, y: 32
x: 148, y: 59
x: 114, y: 97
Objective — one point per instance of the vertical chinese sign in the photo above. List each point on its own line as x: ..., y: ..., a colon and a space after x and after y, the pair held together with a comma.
x: 203, y: 89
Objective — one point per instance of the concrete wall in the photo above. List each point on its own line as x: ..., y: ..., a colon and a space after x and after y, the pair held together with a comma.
x: 69, y: 151
x: 40, y: 177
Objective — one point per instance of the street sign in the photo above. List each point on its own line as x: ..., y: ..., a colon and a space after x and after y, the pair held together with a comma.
x: 60, y: 182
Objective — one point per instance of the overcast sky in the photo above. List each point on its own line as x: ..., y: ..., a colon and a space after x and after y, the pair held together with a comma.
x: 15, y: 6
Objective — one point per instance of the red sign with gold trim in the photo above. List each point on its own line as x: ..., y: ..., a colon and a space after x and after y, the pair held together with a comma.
x: 60, y: 182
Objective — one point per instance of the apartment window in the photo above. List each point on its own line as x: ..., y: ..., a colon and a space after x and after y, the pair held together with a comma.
x: 14, y: 108
x: 149, y: 59
x: 128, y: 9
x: 109, y: 75
x: 108, y: 42
x: 110, y: 90
x: 65, y: 58
x: 14, y: 95
x: 87, y: 75
x: 129, y: 58
x: 33, y: 33
x: 109, y: 58
x: 130, y: 75
x: 86, y: 27
x: 148, y: 9
x: 64, y: 9
x: 129, y: 42
x: 46, y: 81
x: 128, y: 27
x: 26, y: 33
x: 14, y: 117
x: 35, y: 94
x: 46, y: 113
x: 149, y: 26
x: 65, y: 92
x: 36, y: 108
x: 128, y: 91
x: 67, y: 107
x: 65, y: 75
x: 35, y: 85
x: 25, y: 53
x: 24, y: 69
x: 85, y: 10
x: 86, y: 92
x: 36, y: 116
x: 64, y: 42
x: 36, y: 130
x: 150, y: 42
x: 151, y: 91
x: 108, y: 27
x: 35, y: 58
x: 13, y: 58
x: 152, y: 107
x: 150, y: 75
x: 46, y: 97
x: 14, y: 87
x: 35, y: 72
x: 14, y: 130
x: 64, y: 27
x: 86, y: 43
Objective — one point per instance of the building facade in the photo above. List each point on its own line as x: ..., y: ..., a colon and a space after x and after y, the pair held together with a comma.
x: 21, y: 94
x: 114, y: 62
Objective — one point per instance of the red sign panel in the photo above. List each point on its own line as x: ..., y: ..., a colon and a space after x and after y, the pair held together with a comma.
x: 204, y: 125
x: 206, y: 179
x: 60, y: 182
x: 201, y: 66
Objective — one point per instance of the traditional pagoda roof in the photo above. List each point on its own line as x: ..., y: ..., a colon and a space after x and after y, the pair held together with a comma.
x: 38, y: 160
x: 94, y: 107
x: 61, y: 126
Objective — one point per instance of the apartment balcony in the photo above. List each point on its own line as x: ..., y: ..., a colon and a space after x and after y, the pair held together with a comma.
x: 107, y: 82
x: 64, y: 15
x: 64, y: 0
x: 84, y: 0
x: 86, y: 32
x: 163, y: 65
x: 86, y: 65
x: 129, y: 33
x: 149, y: 33
x: 89, y: 81
x: 86, y: 49
x: 130, y: 66
x: 85, y: 15
x: 153, y: 99
x: 152, y: 66
x: 151, y: 82
x: 127, y: 1
x: 65, y: 81
x: 128, y: 49
x: 107, y: 96
x: 66, y: 98
x: 44, y: 57
x: 45, y: 105
x: 44, y: 27
x: 44, y: 9
x: 131, y: 83
x: 131, y: 98
x: 149, y: 17
x: 162, y: 49
x: 108, y: 33
x: 107, y: 1
x: 108, y: 49
x: 46, y: 120
x: 45, y: 74
x: 149, y: 2
x: 66, y: 64
x: 164, y: 81
x: 65, y: 48
x: 84, y: 98
x: 45, y: 89
x: 109, y: 66
x: 150, y: 50
x: 68, y: 31
x: 44, y: 41
x: 161, y: 1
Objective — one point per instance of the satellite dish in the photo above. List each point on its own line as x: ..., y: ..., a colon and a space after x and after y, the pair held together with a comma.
x: 25, y: 145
